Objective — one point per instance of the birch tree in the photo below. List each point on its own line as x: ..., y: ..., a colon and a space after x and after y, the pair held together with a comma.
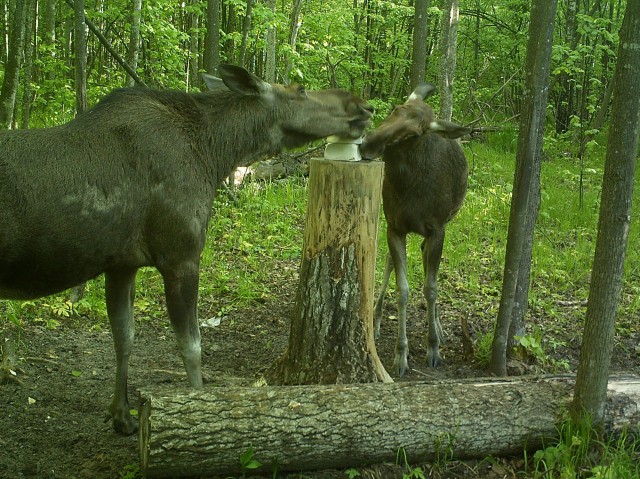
x: 448, y: 39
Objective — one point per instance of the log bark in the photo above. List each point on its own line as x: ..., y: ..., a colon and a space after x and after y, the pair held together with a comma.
x: 331, y: 339
x: 311, y: 427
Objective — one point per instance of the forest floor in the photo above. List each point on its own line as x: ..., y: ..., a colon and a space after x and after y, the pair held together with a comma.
x: 54, y: 424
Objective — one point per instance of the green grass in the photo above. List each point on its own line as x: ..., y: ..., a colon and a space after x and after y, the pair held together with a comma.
x: 260, y: 239
x: 579, y: 453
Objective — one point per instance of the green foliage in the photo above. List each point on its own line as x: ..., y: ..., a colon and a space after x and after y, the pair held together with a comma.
x: 579, y: 453
x: 352, y: 473
x: 409, y: 472
x: 131, y: 471
x: 482, y: 352
x: 362, y: 46
x: 248, y: 462
x: 532, y: 345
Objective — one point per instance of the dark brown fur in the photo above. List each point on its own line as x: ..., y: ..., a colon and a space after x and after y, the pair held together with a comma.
x: 424, y: 185
x: 130, y: 183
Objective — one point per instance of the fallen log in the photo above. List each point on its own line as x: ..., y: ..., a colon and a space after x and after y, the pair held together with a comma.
x: 190, y: 433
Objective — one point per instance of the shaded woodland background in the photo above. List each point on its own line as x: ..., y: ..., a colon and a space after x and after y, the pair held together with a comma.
x: 375, y: 48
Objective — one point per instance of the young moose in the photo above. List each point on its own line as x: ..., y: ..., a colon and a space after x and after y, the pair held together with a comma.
x: 425, y: 181
x: 131, y: 182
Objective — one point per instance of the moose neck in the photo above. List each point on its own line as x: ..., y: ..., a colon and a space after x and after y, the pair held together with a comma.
x: 241, y: 130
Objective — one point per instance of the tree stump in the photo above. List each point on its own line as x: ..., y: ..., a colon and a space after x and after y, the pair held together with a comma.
x: 331, y: 338
x: 298, y: 428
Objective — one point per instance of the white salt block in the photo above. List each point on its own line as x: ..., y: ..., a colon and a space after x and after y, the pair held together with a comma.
x: 342, y: 149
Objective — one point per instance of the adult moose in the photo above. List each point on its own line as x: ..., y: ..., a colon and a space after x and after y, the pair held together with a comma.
x: 131, y: 182
x: 425, y: 181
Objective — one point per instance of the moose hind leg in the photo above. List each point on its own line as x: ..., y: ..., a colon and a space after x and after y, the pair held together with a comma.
x: 431, y: 255
x: 380, y: 302
x: 120, y: 292
x: 398, y: 250
x: 181, y: 289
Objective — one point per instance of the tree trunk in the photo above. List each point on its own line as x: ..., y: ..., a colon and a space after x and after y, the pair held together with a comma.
x: 194, y: 433
x: 613, y: 225
x: 211, y: 58
x: 80, y: 51
x: 246, y: 26
x: 134, y: 39
x: 294, y: 21
x: 193, y: 24
x: 29, y: 42
x: 331, y: 339
x: 230, y: 28
x: 526, y: 184
x: 448, y: 35
x: 47, y: 20
x: 420, y: 36
x: 566, y: 108
x: 12, y: 68
x: 271, y: 42
x: 105, y: 43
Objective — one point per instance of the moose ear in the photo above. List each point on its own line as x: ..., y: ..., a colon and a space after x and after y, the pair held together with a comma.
x: 448, y: 129
x: 212, y: 83
x: 241, y: 81
x: 422, y: 91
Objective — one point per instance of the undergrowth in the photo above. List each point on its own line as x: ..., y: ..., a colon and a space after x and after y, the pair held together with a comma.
x: 256, y: 244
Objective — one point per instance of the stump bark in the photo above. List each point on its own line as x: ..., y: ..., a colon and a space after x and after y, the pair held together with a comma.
x: 297, y: 428
x: 331, y: 338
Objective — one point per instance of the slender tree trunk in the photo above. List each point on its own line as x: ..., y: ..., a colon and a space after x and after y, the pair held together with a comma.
x: 230, y: 28
x: 29, y: 43
x: 10, y: 82
x: 294, y: 25
x: 80, y: 51
x: 4, y: 26
x: 246, y: 26
x: 270, y: 50
x: 47, y: 15
x: 134, y: 39
x: 193, y: 20
x: 101, y: 38
x: 527, y: 176
x: 613, y: 225
x: 212, y: 39
x: 448, y: 39
x: 566, y: 81
x: 420, y: 37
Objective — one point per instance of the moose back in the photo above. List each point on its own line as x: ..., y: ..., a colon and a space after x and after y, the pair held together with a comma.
x: 130, y: 183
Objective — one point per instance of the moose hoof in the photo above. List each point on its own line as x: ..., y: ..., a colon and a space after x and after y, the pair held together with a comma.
x: 125, y: 426
x: 433, y: 359
x: 401, y: 365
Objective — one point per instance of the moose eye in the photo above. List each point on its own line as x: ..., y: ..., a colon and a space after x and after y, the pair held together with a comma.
x: 302, y: 90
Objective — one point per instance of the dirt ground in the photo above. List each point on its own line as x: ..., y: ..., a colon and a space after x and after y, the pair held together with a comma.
x: 54, y: 426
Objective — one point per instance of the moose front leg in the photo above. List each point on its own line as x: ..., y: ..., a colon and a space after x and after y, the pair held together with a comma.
x: 398, y: 250
x: 431, y: 255
x: 120, y: 289
x: 181, y: 289
x: 380, y: 302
